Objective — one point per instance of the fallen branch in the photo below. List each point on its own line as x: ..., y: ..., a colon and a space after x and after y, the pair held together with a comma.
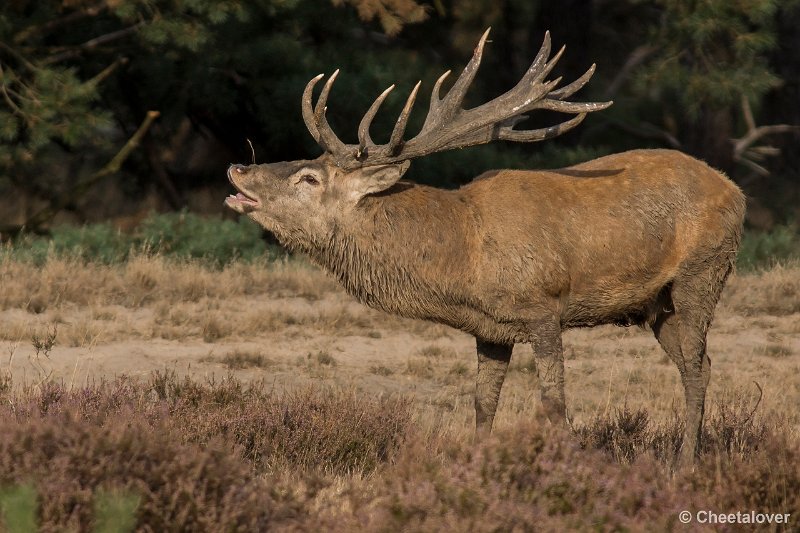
x: 743, y: 150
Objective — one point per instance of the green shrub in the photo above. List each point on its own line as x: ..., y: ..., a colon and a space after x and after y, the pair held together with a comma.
x: 764, y: 249
x: 100, y: 243
x: 189, y: 236
x: 18, y: 508
x: 181, y: 236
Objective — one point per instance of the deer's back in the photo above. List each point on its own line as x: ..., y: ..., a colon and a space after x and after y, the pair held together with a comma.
x: 603, y: 236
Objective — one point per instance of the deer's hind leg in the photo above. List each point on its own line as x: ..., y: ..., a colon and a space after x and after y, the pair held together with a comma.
x: 682, y: 333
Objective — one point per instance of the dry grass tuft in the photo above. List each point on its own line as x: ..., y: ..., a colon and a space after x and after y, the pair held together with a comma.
x: 420, y: 367
x: 381, y: 370
x: 438, y: 352
x: 323, y: 358
x: 241, y: 359
x: 774, y: 349
x: 215, y: 327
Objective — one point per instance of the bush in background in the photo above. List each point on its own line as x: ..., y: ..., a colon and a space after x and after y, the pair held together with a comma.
x: 767, y: 248
x: 181, y: 236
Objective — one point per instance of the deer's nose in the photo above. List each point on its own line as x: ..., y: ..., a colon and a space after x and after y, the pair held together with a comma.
x: 237, y: 169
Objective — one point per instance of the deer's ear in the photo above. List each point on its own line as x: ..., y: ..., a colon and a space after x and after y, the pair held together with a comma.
x: 371, y: 180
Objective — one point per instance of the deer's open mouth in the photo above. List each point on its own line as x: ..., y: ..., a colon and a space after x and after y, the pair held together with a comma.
x: 242, y: 201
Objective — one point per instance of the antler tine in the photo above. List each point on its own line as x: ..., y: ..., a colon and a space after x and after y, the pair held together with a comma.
x: 531, y: 85
x: 509, y: 134
x: 575, y: 86
x: 308, y: 112
x: 364, y: 139
x: 327, y: 138
x: 538, y: 62
x: 436, y: 100
x: 572, y: 107
x: 400, y: 126
x: 319, y: 109
x: 454, y: 98
x: 548, y: 67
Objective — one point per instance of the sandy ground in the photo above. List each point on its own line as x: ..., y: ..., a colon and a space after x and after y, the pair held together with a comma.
x: 329, y: 339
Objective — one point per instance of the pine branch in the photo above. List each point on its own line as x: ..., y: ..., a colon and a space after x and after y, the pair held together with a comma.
x: 106, y: 72
x: 647, y: 131
x: 91, y: 44
x: 636, y: 58
x: 113, y: 166
x: 49, y: 26
x: 7, y: 97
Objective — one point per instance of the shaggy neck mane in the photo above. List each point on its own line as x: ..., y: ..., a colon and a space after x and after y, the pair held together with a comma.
x: 382, y: 251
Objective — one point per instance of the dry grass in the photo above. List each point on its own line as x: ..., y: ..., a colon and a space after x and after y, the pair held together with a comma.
x: 160, y: 311
x: 772, y: 292
x: 419, y: 367
x: 150, y: 280
x: 438, y: 352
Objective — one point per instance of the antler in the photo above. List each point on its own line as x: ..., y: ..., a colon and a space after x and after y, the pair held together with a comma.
x: 447, y: 125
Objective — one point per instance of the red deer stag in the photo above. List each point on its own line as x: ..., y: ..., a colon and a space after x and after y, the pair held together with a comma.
x: 516, y: 256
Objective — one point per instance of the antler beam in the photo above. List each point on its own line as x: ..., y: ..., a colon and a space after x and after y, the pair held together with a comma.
x: 448, y: 125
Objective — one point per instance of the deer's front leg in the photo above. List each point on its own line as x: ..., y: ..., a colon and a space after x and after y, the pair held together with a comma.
x: 492, y: 366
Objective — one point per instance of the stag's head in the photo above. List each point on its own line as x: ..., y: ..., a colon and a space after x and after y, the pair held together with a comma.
x: 301, y: 201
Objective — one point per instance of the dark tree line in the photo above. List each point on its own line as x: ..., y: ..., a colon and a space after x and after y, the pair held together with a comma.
x: 159, y: 95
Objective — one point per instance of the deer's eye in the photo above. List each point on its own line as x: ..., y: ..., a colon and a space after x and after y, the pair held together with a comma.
x: 311, y: 180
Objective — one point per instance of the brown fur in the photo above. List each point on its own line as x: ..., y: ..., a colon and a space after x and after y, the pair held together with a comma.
x: 645, y: 236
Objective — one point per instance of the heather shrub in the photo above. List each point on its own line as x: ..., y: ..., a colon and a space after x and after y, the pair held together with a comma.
x: 628, y: 433
x: 186, y: 235
x: 180, y: 455
x: 540, y: 478
x: 731, y: 428
x: 182, y: 487
x: 768, y: 479
x: 332, y: 431
x: 189, y: 456
x: 527, y: 479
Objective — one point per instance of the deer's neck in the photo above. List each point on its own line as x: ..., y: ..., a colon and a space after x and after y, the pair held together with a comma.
x: 401, y: 251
